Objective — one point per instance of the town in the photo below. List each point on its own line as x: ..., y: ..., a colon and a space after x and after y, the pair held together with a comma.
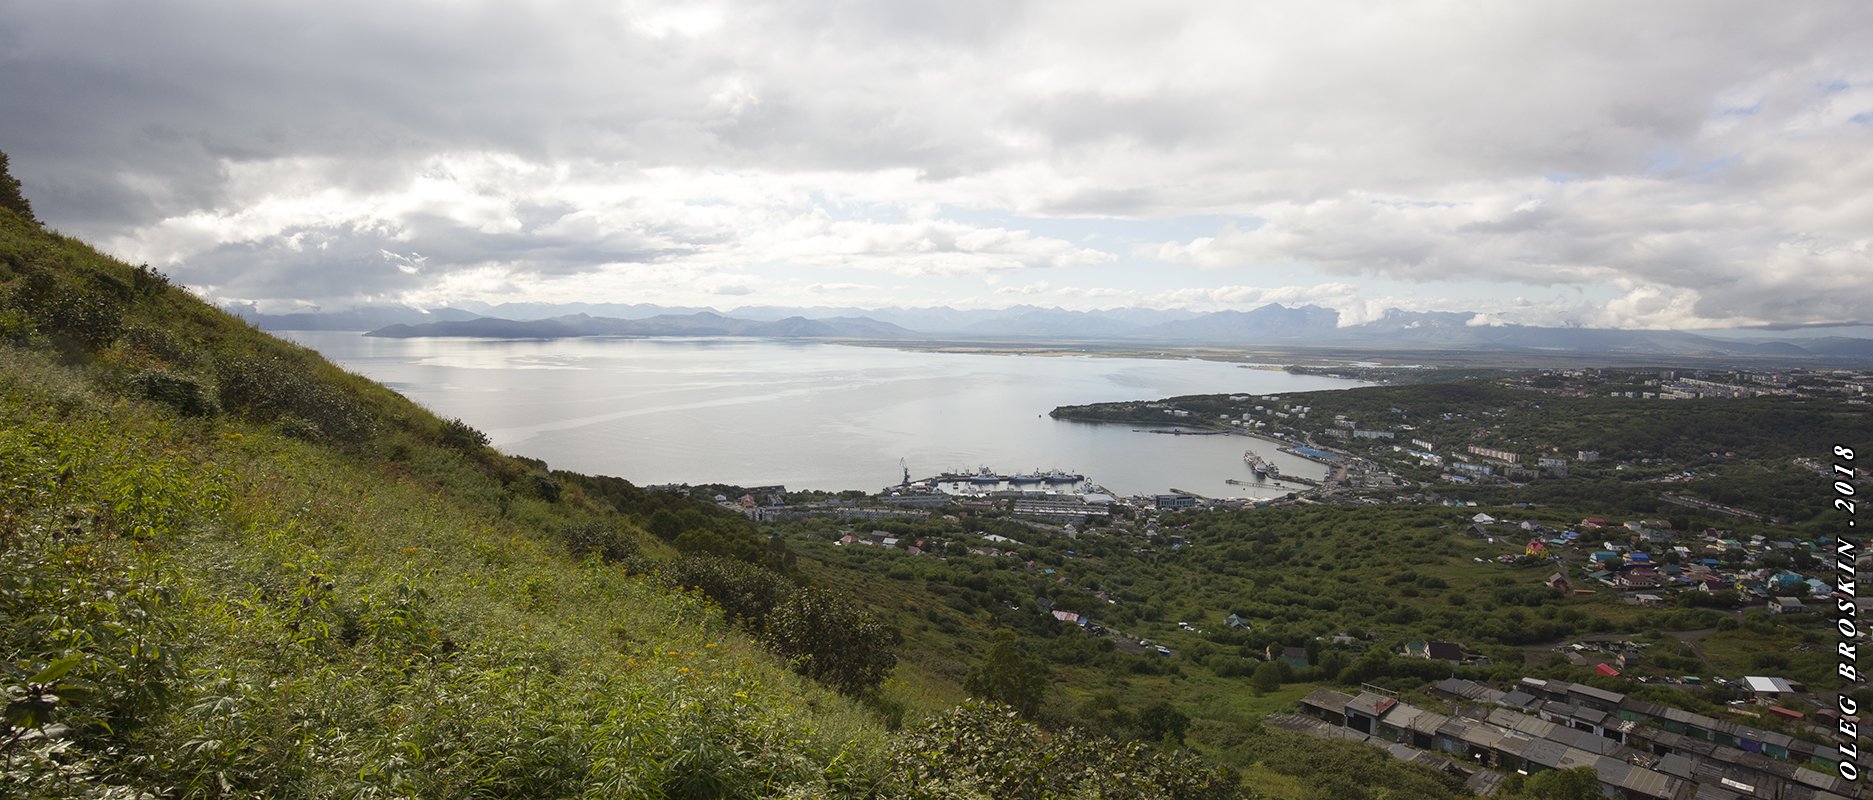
x: 1529, y: 532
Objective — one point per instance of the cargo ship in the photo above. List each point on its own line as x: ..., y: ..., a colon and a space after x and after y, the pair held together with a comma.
x: 1261, y: 468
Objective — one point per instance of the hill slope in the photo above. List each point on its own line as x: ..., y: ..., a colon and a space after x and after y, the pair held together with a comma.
x: 228, y: 568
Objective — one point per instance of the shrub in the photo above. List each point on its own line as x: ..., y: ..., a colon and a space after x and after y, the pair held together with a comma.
x: 985, y: 750
x: 185, y: 395
x: 746, y: 593
x: 79, y: 319
x: 830, y: 639
x: 462, y: 436
x: 597, y: 538
x: 270, y: 389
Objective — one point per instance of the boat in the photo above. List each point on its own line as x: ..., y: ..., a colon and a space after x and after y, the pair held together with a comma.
x: 1061, y: 477
x: 1034, y: 477
x: 985, y: 477
x: 1256, y: 464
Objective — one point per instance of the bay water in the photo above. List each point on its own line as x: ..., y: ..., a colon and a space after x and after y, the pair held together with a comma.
x: 815, y: 415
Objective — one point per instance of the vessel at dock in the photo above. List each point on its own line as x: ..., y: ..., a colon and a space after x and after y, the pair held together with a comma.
x: 1261, y: 468
x: 985, y: 482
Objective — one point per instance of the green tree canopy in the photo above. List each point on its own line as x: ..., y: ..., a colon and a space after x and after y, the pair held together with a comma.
x: 1267, y: 677
x: 1579, y: 783
x: 1008, y: 675
x: 11, y: 198
x: 829, y: 638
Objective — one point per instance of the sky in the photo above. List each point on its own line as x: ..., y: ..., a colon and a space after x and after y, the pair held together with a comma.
x: 1637, y: 165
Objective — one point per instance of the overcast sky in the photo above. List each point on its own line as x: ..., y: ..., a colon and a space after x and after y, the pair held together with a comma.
x: 1654, y: 164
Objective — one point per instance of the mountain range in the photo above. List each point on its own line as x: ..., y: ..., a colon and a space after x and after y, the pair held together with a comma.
x: 701, y: 323
x: 1271, y: 324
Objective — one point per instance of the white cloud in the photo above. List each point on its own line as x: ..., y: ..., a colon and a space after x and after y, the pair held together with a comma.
x: 1702, y: 163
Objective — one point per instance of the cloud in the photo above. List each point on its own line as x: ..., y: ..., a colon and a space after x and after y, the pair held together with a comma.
x: 1702, y: 162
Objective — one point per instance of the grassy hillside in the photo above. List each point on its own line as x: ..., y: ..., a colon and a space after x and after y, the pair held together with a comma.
x: 228, y: 568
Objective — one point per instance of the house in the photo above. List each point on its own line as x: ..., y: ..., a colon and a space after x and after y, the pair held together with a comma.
x: 1294, y: 657
x: 1437, y: 651
x: 1786, y: 605
x: 1364, y: 712
x: 1236, y: 622
x: 1327, y: 704
x: 1559, y: 583
x: 1446, y: 651
x: 1769, y: 688
x: 1637, y: 579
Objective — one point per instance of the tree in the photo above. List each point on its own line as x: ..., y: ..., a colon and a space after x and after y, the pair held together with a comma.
x: 664, y: 525
x: 1162, y: 721
x: 1267, y: 677
x: 11, y: 197
x: 1008, y: 675
x: 830, y: 639
x: 1579, y: 783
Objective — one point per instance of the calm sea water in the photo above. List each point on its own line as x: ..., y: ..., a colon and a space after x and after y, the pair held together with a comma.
x: 815, y: 416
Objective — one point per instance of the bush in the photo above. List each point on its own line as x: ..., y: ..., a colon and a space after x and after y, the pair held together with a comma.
x: 79, y: 319
x: 985, y: 750
x: 271, y: 389
x: 746, y: 593
x: 462, y: 436
x: 185, y: 395
x: 597, y: 538
x: 830, y: 639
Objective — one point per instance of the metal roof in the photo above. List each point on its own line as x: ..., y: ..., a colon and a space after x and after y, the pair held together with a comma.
x: 1518, y: 699
x: 1427, y: 722
x: 1327, y: 699
x: 1599, y: 695
x: 1372, y: 705
x: 1544, y: 752
x: 1757, y: 683
x: 1675, y: 764
x: 1649, y: 783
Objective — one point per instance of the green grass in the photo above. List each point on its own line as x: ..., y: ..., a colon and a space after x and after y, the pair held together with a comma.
x: 230, y: 569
